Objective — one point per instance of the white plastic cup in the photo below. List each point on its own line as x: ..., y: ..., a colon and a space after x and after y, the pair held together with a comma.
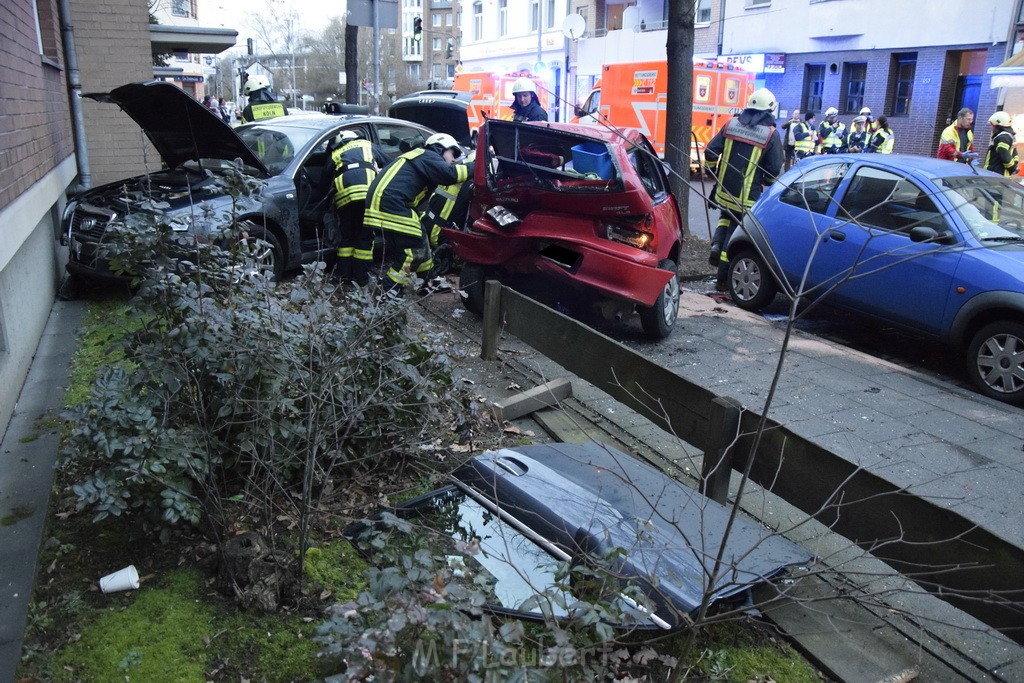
x: 121, y: 580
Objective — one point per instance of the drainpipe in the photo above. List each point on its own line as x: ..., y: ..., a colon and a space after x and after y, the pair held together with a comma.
x: 75, y: 97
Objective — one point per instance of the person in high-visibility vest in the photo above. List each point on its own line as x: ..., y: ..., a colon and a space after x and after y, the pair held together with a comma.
x: 1002, y: 157
x: 832, y: 132
x: 857, y: 139
x: 394, y: 195
x: 262, y: 103
x: 806, y: 137
x: 883, y: 139
x: 745, y: 155
x: 355, y: 162
x: 957, y: 140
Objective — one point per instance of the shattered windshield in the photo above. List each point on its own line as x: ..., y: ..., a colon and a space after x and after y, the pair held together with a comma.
x: 992, y: 207
x: 552, y: 160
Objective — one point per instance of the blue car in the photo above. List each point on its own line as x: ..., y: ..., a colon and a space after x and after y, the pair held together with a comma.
x: 931, y: 246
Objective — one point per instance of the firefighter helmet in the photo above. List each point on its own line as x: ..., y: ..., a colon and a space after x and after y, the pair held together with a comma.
x: 831, y: 111
x: 1000, y: 118
x: 524, y: 84
x: 345, y: 136
x: 865, y: 111
x: 762, y: 100
x: 444, y: 142
x: 257, y: 82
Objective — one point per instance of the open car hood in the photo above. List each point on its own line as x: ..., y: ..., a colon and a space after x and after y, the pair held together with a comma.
x: 444, y: 111
x: 530, y: 508
x: 178, y: 125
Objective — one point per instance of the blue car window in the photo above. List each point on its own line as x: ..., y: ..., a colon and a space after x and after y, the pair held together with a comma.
x: 883, y: 200
x: 991, y: 207
x: 814, y: 189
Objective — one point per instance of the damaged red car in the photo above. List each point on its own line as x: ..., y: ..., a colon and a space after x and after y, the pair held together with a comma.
x: 580, y: 211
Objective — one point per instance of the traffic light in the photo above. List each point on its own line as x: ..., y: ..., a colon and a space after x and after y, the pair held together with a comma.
x: 248, y: 45
x: 417, y: 29
x: 448, y: 50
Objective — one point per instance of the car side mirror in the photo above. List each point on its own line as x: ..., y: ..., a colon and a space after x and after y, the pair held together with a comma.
x: 924, y: 233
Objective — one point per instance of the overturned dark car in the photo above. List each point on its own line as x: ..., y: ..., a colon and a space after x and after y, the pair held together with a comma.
x: 287, y: 222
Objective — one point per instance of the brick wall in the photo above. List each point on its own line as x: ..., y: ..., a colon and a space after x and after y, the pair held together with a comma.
x: 35, y: 130
x: 931, y: 107
x: 113, y: 47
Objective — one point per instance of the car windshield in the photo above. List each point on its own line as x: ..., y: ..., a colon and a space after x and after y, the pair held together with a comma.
x: 275, y: 147
x: 992, y: 207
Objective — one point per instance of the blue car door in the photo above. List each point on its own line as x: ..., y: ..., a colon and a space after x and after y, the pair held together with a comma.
x: 867, y: 261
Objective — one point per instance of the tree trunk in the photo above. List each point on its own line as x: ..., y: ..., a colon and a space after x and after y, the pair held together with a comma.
x: 351, y: 64
x: 680, y: 99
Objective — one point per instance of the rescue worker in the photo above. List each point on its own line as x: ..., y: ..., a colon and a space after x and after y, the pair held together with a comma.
x: 526, y: 105
x: 355, y: 163
x: 832, y: 133
x: 448, y: 207
x: 870, y: 125
x: 1002, y: 155
x: 883, y: 139
x: 789, y: 127
x: 394, y: 195
x: 805, y: 136
x: 857, y: 138
x: 262, y: 103
x: 745, y: 155
x: 957, y: 140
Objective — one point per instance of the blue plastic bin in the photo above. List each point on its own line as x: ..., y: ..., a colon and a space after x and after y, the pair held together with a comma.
x: 591, y: 157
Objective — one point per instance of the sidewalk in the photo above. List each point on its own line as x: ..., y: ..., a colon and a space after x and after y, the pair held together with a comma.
x: 27, y: 456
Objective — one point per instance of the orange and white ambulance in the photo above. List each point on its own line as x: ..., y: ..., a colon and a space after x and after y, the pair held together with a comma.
x: 492, y: 95
x: 634, y: 95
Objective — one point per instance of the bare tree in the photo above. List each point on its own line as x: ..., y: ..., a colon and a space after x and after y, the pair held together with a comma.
x: 324, y: 59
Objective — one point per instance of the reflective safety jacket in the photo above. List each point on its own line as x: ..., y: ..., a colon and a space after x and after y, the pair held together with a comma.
x: 262, y: 105
x: 355, y: 166
x: 448, y: 208
x: 954, y: 142
x: 806, y: 139
x: 745, y: 155
x: 833, y: 137
x: 1002, y: 155
x: 408, y: 180
x: 882, y: 141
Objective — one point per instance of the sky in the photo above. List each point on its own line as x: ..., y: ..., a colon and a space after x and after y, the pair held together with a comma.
x: 313, y: 14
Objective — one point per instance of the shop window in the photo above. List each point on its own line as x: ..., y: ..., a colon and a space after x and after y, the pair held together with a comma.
x: 814, y: 86
x: 854, y: 76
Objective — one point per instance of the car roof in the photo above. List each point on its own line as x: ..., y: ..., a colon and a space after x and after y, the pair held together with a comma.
x: 591, y: 130
x: 928, y: 167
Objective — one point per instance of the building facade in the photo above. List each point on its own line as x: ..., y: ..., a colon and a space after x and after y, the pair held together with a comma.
x: 37, y: 165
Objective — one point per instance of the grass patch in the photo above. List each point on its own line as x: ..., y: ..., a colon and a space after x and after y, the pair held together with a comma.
x: 743, y: 652
x: 338, y: 568
x: 107, y: 322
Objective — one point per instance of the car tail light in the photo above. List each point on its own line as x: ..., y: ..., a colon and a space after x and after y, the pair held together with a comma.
x: 635, y: 231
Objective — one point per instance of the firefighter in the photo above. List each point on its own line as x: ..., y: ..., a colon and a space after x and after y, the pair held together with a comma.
x: 832, y: 132
x: 806, y: 136
x: 262, y: 103
x: 448, y: 207
x: 526, y: 105
x: 745, y: 155
x: 394, y: 195
x: 1002, y: 151
x: 957, y: 140
x: 355, y: 163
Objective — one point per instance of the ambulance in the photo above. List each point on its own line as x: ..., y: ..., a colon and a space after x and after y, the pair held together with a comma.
x: 491, y: 95
x: 634, y: 95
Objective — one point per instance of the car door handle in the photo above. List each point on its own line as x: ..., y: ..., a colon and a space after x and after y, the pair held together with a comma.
x: 837, y: 235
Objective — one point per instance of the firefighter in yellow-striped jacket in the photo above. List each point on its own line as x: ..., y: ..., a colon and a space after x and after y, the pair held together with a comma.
x: 355, y: 162
x: 1002, y: 157
x: 745, y: 155
x: 397, y: 191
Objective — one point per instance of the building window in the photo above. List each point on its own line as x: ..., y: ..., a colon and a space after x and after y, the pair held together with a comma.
x: 435, y: 20
x: 905, y: 66
x: 535, y: 15
x: 814, y: 85
x: 854, y: 77
x: 435, y: 44
x: 414, y: 71
x: 550, y: 14
x: 703, y: 15
x: 181, y: 8
x: 448, y: 19
x: 758, y: 3
x: 502, y: 17
x: 478, y: 21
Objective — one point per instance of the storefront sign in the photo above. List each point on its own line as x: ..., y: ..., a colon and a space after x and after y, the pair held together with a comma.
x: 775, y: 63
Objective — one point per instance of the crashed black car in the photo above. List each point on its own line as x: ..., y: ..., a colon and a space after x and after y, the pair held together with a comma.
x: 288, y: 222
x: 512, y: 517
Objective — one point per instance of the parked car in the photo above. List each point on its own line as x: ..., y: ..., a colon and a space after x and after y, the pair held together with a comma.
x: 931, y: 246
x: 513, y: 518
x: 289, y: 222
x: 581, y: 208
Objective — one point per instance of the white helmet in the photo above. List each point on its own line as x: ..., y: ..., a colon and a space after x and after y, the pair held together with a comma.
x: 444, y: 142
x: 831, y: 111
x: 865, y: 111
x: 1000, y: 118
x: 257, y: 82
x: 524, y: 84
x: 762, y: 100
x: 345, y: 136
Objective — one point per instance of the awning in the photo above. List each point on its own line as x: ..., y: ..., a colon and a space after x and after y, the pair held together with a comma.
x: 1009, y: 74
x: 193, y: 39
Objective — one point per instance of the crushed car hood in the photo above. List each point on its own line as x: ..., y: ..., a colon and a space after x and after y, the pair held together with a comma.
x: 178, y: 125
x: 444, y: 111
